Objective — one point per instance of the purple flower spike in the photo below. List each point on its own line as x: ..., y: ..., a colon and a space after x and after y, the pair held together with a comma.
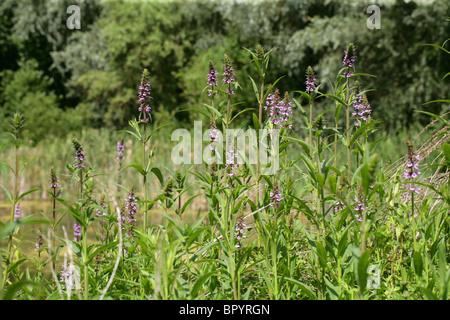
x: 412, y: 169
x: 349, y: 60
x: 228, y: 73
x: 17, y: 212
x: 79, y: 155
x: 362, y: 109
x: 212, y: 79
x: 76, y: 232
x: 310, y: 80
x: 240, y: 232
x: 275, y: 196
x: 120, y: 149
x: 54, y: 184
x: 278, y: 110
x: 144, y: 98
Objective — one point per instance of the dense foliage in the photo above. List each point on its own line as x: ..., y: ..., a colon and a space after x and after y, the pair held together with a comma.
x: 302, y: 82
x: 90, y: 74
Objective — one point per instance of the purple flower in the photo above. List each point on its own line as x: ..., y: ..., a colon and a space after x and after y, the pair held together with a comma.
x: 412, y: 168
x: 310, y: 80
x: 131, y: 211
x: 239, y: 232
x: 54, y: 184
x: 144, y: 98
x: 212, y: 79
x: 120, y: 149
x: 79, y: 155
x: 279, y: 111
x: 17, y: 212
x: 131, y: 207
x: 360, y: 206
x: 76, y: 232
x: 275, y: 196
x: 228, y: 73
x: 101, y: 214
x: 349, y: 60
x: 338, y: 206
x: 39, y: 244
x: 362, y: 109
x: 230, y: 162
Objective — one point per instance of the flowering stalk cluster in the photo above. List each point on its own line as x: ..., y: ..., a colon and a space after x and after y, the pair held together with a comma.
x: 131, y: 211
x: 144, y: 98
x: 275, y: 196
x: 279, y: 110
x: 54, y: 184
x: 240, y: 232
x: 231, y: 164
x: 120, y: 149
x: 79, y: 155
x: 310, y: 80
x: 412, y: 168
x: 212, y: 79
x: 213, y: 138
x: 349, y: 60
x: 39, y: 244
x: 101, y: 214
x: 362, y: 109
x: 76, y: 232
x: 360, y: 207
x: 228, y: 73
x: 17, y: 212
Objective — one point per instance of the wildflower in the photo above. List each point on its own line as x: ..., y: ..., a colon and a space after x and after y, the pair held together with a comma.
x: 79, y: 155
x: 213, y: 135
x: 275, y: 196
x: 278, y: 110
x: 349, y: 60
x: 76, y: 231
x: 39, y: 244
x: 228, y: 73
x: 412, y: 168
x: 359, y: 206
x: 54, y: 184
x: 239, y: 232
x: 212, y: 79
x: 17, y: 212
x: 338, y: 206
x: 144, y: 98
x: 231, y: 164
x: 120, y: 149
x: 100, y: 214
x: 131, y: 211
x: 310, y: 80
x: 131, y: 207
x: 362, y: 109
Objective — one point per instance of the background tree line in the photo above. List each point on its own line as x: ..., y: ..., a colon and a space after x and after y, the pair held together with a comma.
x: 63, y: 80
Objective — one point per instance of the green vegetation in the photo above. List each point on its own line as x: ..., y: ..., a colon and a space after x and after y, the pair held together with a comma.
x: 357, y: 209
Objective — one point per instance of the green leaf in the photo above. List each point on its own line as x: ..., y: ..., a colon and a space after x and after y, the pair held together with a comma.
x: 137, y: 167
x: 446, y: 151
x: 187, y: 203
x: 26, y: 193
x: 436, y: 116
x: 158, y: 174
x: 200, y: 281
x: 8, y: 194
x: 418, y: 263
x: 363, y: 263
x: 303, y: 287
x: 256, y: 124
